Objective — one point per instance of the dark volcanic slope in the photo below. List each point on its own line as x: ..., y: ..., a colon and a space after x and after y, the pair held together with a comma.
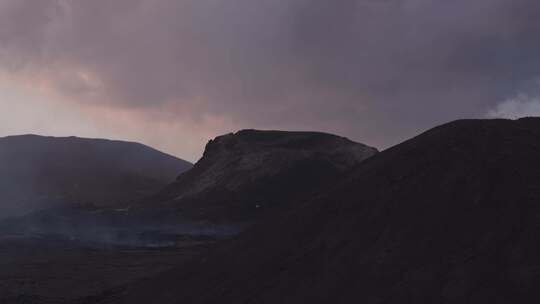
x: 39, y: 172
x: 451, y: 216
x: 245, y: 174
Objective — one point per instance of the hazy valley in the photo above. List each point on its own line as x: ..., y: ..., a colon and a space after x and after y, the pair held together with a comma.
x: 295, y: 217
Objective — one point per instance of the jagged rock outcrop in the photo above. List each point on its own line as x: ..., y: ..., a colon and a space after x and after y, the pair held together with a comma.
x: 244, y: 175
x: 42, y: 172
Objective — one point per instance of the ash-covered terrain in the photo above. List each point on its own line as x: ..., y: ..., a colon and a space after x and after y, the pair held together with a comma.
x: 450, y: 216
x: 55, y: 270
x: 83, y: 250
x: 63, y: 229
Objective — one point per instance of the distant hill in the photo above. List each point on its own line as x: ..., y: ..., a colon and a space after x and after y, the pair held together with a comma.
x: 246, y: 175
x: 451, y: 216
x: 42, y: 172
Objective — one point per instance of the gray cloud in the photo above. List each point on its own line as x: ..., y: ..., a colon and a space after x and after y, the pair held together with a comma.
x: 377, y: 71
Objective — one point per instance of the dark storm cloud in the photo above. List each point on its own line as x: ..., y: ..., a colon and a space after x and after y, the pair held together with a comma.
x: 376, y: 71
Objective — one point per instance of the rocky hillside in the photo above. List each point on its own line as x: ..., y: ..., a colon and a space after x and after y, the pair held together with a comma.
x: 41, y: 172
x: 451, y: 216
x: 249, y: 173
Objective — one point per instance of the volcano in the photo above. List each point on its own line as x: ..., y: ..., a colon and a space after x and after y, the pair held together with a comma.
x: 244, y: 176
x: 450, y: 216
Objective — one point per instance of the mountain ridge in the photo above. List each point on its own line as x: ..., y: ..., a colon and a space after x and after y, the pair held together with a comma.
x: 45, y: 171
x: 242, y: 173
x: 449, y: 216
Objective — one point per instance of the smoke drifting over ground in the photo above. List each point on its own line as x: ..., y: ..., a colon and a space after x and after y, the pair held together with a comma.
x: 112, y: 228
x: 372, y: 70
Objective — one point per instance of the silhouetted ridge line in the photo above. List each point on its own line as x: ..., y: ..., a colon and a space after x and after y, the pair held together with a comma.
x: 450, y: 216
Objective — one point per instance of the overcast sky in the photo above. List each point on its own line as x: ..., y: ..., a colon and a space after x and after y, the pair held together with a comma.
x: 175, y: 73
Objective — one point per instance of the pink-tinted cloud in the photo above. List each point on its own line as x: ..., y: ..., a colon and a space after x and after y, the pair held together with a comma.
x: 375, y: 70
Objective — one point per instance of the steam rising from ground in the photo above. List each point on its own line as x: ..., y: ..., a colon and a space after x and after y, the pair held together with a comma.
x: 521, y: 106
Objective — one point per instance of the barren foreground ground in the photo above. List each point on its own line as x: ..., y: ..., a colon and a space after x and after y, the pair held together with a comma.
x: 34, y: 270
